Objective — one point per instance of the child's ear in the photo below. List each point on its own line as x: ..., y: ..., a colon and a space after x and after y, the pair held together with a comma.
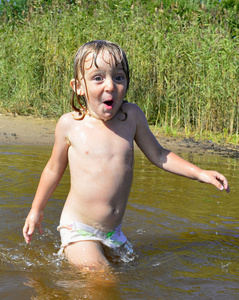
x: 77, y: 87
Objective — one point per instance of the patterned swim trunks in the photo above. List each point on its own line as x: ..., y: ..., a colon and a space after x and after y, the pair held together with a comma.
x: 76, y: 232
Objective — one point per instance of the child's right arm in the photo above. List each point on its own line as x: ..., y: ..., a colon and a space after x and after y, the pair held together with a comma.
x: 50, y: 178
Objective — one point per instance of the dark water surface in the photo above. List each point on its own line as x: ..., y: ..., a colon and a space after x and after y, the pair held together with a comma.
x: 186, y: 235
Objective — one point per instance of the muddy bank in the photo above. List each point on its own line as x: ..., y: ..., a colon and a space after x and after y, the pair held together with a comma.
x: 201, y: 146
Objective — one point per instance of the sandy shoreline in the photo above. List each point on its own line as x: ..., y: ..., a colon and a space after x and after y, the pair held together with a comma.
x: 26, y: 131
x: 22, y: 130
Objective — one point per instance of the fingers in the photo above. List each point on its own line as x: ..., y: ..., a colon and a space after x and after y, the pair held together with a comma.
x: 220, y: 182
x: 215, y: 178
x: 32, y: 221
x: 224, y: 185
x: 27, y: 232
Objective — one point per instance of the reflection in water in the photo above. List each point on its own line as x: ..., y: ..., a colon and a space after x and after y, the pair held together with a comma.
x: 185, y: 235
x: 72, y: 285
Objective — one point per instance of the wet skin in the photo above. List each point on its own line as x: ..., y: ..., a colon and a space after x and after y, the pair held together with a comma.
x: 99, y: 150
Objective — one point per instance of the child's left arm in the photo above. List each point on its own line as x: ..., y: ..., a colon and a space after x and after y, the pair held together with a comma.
x: 168, y: 160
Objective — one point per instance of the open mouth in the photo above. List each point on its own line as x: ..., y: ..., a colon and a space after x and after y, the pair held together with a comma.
x: 109, y: 103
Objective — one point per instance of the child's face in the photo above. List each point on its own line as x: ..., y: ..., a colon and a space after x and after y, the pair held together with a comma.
x: 104, y: 87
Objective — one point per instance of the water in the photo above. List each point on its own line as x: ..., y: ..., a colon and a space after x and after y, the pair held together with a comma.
x: 184, y: 233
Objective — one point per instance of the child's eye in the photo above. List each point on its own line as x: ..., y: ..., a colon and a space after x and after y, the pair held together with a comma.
x: 119, y: 77
x: 98, y: 78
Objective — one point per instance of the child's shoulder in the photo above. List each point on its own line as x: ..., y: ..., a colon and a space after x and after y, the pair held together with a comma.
x: 65, y: 124
x: 65, y: 120
x: 132, y: 108
x: 67, y: 117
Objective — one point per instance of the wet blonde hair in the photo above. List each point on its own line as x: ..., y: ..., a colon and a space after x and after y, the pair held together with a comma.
x: 95, y: 47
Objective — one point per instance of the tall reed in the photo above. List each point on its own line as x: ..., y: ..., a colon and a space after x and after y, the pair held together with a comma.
x: 184, y: 59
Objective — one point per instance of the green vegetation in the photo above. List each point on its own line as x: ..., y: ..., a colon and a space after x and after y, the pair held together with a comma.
x: 183, y: 55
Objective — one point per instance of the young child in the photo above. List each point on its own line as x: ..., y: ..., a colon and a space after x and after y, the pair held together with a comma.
x: 97, y: 140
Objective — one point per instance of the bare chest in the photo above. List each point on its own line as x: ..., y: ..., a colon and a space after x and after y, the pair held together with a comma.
x: 102, y: 142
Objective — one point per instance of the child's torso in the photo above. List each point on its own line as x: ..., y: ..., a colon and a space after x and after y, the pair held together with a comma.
x: 101, y: 165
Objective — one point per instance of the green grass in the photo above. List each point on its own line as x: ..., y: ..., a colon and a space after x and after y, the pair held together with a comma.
x: 183, y: 55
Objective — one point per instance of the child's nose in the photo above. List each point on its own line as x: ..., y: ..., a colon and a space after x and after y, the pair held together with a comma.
x: 110, y: 85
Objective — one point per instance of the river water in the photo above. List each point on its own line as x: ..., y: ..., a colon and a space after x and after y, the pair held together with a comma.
x: 185, y: 235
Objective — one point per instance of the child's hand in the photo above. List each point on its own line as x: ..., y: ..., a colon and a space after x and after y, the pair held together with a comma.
x: 214, y: 178
x: 33, y: 219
